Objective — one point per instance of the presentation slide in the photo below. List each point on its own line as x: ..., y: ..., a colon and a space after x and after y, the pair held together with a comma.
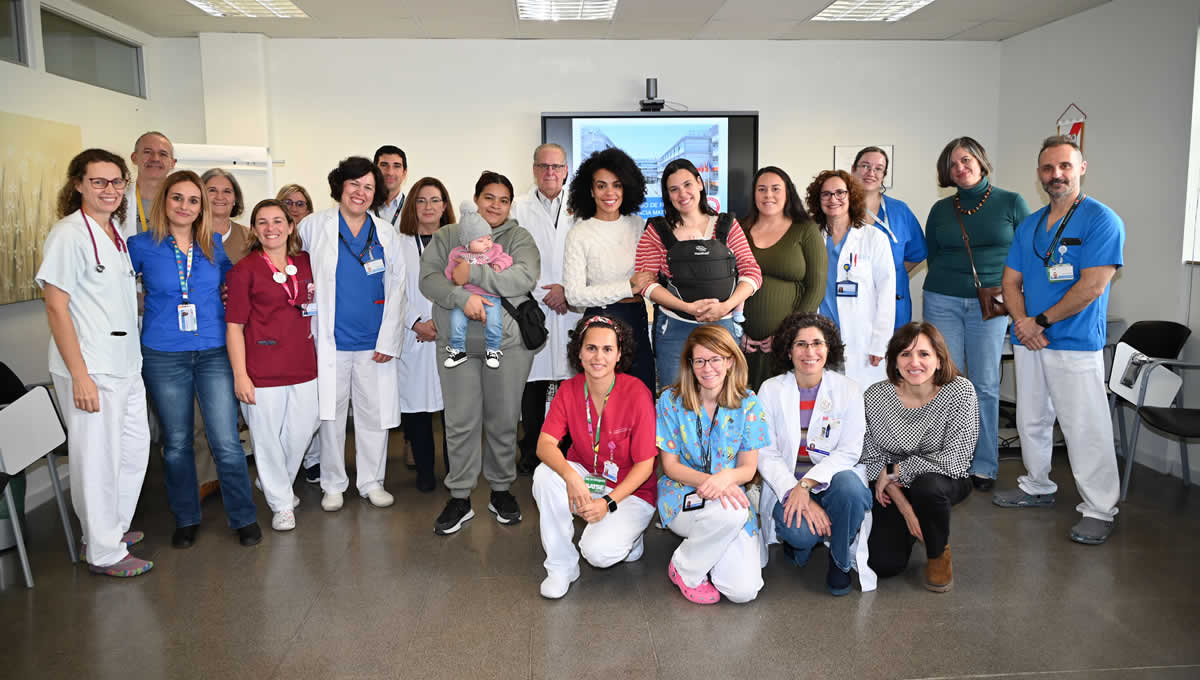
x: 655, y: 143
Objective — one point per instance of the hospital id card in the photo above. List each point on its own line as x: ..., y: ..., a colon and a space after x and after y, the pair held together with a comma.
x: 595, y: 484
x: 373, y: 267
x: 187, y: 317
x: 847, y: 289
x: 1063, y: 271
x: 610, y: 471
x: 308, y: 309
x: 692, y: 501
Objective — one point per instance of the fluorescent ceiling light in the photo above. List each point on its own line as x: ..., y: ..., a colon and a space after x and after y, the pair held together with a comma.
x: 869, y: 10
x: 251, y: 9
x: 566, y: 10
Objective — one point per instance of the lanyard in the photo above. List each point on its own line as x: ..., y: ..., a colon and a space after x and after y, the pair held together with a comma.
x: 185, y: 275
x: 705, y: 452
x: 399, y: 207
x: 421, y: 242
x: 1061, y: 226
x: 366, y: 250
x: 883, y: 221
x: 294, y: 291
x: 116, y: 237
x: 595, y: 433
x: 141, y: 215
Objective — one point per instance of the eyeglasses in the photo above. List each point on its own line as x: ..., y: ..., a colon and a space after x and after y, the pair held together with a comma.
x: 840, y: 194
x: 543, y: 167
x: 100, y: 183
x: 877, y: 169
x: 815, y: 344
x: 715, y: 362
x: 296, y: 204
x: 428, y: 201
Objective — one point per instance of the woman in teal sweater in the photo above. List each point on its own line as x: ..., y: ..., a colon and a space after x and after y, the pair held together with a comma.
x: 989, y: 215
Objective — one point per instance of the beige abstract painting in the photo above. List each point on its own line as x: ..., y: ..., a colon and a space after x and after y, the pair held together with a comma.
x: 34, y: 155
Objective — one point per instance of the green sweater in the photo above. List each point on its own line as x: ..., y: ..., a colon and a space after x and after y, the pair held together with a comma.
x: 991, y: 233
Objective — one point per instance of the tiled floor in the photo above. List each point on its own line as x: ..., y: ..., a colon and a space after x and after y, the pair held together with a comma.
x: 369, y: 593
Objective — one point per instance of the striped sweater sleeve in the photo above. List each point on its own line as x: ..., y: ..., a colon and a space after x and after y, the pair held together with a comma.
x: 651, y: 257
x: 747, y: 266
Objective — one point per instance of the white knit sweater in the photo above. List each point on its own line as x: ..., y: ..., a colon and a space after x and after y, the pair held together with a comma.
x: 598, y: 261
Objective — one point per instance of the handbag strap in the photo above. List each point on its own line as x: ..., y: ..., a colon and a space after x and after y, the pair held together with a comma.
x: 967, y: 243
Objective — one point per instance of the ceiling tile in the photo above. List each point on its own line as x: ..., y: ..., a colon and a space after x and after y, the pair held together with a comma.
x: 632, y: 29
x: 667, y: 10
x: 746, y: 10
x: 762, y: 29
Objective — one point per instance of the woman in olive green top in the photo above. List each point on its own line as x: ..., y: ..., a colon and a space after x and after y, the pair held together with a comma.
x: 990, y: 215
x: 791, y: 253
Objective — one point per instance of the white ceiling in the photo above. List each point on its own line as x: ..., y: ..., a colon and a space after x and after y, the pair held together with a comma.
x: 634, y: 19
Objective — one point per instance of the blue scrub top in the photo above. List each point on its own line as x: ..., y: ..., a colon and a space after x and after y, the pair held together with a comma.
x: 828, y: 307
x: 908, y: 245
x: 1095, y: 237
x: 155, y: 261
x: 359, y: 298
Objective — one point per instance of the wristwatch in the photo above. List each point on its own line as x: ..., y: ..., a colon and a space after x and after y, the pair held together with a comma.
x: 612, y: 505
x: 806, y: 485
x: 1042, y: 321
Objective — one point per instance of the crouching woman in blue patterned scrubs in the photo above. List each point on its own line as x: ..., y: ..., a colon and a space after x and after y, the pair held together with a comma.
x: 709, y: 430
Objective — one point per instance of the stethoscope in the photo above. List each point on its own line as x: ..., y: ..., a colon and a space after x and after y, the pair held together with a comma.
x: 120, y: 243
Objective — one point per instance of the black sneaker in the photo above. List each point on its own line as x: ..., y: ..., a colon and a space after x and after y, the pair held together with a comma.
x: 457, y: 512
x: 250, y: 534
x: 456, y: 357
x: 312, y: 475
x: 505, y: 507
x: 527, y: 463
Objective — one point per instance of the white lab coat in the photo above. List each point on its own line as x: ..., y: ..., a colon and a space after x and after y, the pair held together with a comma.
x: 319, y: 232
x: 131, y: 226
x: 550, y: 363
x: 839, y: 399
x: 867, y: 320
x: 420, y: 388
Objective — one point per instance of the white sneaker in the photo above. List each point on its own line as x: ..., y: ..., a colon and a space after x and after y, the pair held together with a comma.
x: 295, y: 501
x: 284, y: 520
x: 331, y: 502
x: 493, y: 358
x: 635, y: 553
x: 555, y: 586
x: 379, y: 498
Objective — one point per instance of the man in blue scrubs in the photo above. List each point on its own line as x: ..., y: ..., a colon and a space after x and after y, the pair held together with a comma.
x: 1056, y: 282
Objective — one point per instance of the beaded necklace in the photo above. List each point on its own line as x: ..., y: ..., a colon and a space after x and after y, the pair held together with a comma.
x: 972, y: 211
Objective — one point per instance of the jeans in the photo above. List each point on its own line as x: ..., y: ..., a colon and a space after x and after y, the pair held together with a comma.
x: 174, y: 380
x: 846, y: 501
x: 670, y: 334
x: 975, y: 347
x: 493, y: 327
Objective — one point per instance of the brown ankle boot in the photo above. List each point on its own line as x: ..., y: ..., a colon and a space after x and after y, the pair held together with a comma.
x: 939, y: 574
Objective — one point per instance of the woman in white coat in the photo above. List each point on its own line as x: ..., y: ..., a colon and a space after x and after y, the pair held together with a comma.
x: 427, y: 210
x: 815, y: 489
x: 360, y: 296
x: 860, y: 289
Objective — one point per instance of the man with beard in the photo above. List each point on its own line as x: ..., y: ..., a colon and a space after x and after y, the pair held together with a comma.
x: 1056, y: 283
x: 393, y: 163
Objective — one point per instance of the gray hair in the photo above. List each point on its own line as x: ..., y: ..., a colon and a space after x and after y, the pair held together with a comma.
x: 1059, y: 140
x: 156, y: 133
x: 548, y: 145
x: 238, y: 202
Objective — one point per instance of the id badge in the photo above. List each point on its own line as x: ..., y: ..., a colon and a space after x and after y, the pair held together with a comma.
x: 610, y: 471
x: 373, y: 267
x: 595, y: 484
x: 308, y: 309
x: 1063, y: 271
x: 187, y: 317
x: 692, y: 501
x: 847, y: 289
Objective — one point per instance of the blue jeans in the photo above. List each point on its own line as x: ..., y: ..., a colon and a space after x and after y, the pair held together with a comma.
x: 175, y: 380
x: 669, y: 337
x: 846, y: 501
x: 493, y: 328
x: 975, y: 346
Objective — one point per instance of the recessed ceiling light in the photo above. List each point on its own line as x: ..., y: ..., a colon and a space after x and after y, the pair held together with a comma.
x: 869, y: 10
x: 250, y: 9
x: 566, y: 10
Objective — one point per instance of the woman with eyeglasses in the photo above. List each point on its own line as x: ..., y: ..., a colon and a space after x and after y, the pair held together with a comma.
x: 815, y: 489
x: 184, y: 358
x: 427, y: 209
x: 701, y: 264
x: 788, y: 248
x: 892, y: 217
x: 710, y: 430
x: 360, y: 298
x: 94, y: 358
x: 986, y: 216
x: 860, y: 283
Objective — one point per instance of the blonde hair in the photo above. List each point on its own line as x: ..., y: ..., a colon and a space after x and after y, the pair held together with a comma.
x: 716, y: 339
x: 289, y: 189
x: 202, y: 231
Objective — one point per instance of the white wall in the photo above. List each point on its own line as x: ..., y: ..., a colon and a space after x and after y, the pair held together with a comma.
x: 1129, y: 64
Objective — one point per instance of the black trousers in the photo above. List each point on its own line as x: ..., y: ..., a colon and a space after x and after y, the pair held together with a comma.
x: 533, y: 415
x: 931, y: 496
x: 634, y: 314
x: 418, y: 430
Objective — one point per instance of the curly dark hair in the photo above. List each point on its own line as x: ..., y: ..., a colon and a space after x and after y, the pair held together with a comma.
x: 793, y: 208
x: 353, y: 168
x: 626, y: 345
x: 785, y: 335
x: 580, y: 201
x: 69, y: 198
x: 858, y: 198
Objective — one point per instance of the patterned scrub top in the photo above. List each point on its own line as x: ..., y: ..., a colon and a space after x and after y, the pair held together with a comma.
x: 678, y: 432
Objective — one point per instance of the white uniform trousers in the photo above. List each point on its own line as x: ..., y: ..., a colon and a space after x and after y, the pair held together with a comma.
x: 283, y: 421
x: 108, y: 452
x: 1069, y: 385
x: 359, y: 372
x: 603, y: 543
x: 716, y: 544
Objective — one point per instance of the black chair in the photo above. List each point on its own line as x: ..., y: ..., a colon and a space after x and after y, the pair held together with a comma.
x: 1173, y: 421
x: 1157, y: 340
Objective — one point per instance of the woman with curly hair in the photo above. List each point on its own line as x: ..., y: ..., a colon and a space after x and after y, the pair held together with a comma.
x: 598, y: 271
x: 607, y: 476
x: 860, y: 284
x: 789, y: 250
x: 815, y: 490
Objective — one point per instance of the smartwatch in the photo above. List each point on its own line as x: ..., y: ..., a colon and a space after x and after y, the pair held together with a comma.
x: 1042, y: 321
x: 612, y: 505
